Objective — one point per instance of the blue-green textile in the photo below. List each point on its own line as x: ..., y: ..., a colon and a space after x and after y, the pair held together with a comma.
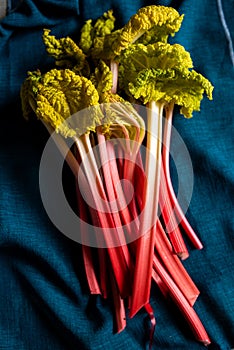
x: 44, y: 301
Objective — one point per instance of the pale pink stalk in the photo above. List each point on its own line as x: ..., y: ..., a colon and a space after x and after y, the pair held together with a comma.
x: 165, y: 160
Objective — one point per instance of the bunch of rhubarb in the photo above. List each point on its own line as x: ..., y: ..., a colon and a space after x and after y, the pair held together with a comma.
x: 94, y: 95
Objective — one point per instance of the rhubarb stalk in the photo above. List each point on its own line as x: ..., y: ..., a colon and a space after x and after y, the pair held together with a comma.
x: 187, y: 310
x: 170, y: 220
x: 145, y: 246
x: 166, y: 166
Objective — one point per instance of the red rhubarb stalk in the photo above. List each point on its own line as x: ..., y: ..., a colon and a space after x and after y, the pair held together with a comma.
x: 73, y: 164
x: 165, y: 160
x: 109, y: 182
x: 188, y: 312
x: 86, y: 250
x: 139, y: 182
x: 128, y: 213
x: 168, y: 214
x: 117, y: 251
x: 145, y: 245
x: 174, y: 266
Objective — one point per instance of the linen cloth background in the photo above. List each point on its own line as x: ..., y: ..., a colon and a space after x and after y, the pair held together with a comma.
x: 44, y: 301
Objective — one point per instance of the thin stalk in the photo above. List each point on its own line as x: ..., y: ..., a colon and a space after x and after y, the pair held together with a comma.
x: 101, y: 252
x: 174, y: 266
x: 121, y: 201
x: 130, y: 166
x: 98, y: 218
x: 114, y: 70
x: 73, y: 163
x: 86, y: 250
x: 145, y: 246
x: 128, y: 177
x: 169, y: 219
x: 119, y: 253
x: 139, y: 182
x: 120, y: 159
x: 165, y: 159
x: 188, y: 312
x: 102, y: 257
x: 161, y: 285
x: 111, y: 195
x: 90, y: 273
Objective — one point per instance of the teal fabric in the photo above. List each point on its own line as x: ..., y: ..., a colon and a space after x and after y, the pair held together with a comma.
x: 44, y: 300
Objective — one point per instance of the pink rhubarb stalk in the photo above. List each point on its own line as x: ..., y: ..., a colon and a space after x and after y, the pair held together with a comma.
x: 174, y: 266
x: 168, y: 214
x: 150, y: 194
x: 117, y: 251
x: 187, y: 310
x: 165, y: 160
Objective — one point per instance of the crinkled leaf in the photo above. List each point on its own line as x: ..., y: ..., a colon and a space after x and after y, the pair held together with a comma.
x: 105, y: 24
x: 27, y: 93
x: 186, y: 89
x: 149, y: 84
x: 157, y: 55
x: 102, y: 79
x: 191, y: 94
x: 86, y: 36
x: 161, y: 72
x: 66, y: 93
x: 47, y: 113
x: 163, y: 20
x: 93, y: 35
x: 103, y: 46
x: 78, y: 92
x: 65, y: 51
